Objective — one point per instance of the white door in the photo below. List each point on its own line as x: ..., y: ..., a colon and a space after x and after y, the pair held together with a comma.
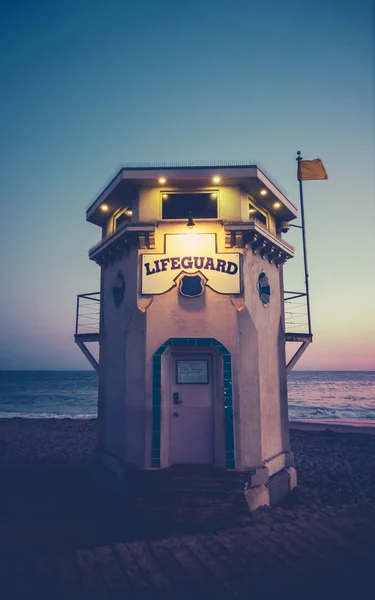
x: 191, y: 410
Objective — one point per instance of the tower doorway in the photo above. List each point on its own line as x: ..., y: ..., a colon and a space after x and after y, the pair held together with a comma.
x: 192, y: 414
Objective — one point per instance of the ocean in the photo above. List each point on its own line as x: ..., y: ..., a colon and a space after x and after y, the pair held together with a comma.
x: 73, y: 394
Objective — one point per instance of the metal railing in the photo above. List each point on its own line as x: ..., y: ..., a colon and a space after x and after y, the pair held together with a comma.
x: 88, y: 313
x: 295, y: 310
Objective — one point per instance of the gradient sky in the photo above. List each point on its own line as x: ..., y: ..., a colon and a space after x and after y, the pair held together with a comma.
x: 88, y: 86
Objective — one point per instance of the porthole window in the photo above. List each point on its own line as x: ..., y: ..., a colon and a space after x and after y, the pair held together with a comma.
x: 264, y: 289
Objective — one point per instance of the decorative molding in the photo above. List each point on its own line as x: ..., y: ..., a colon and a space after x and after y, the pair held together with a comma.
x: 261, y: 241
x: 281, y: 260
x: 142, y: 241
x: 238, y: 303
x: 267, y: 250
x: 146, y: 241
x: 144, y: 303
x: 151, y: 240
x: 238, y: 241
x: 258, y: 246
x: 112, y: 248
x: 274, y: 254
x: 228, y: 239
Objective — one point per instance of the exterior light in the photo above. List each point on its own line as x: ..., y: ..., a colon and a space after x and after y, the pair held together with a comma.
x: 104, y: 207
x: 263, y: 192
x: 252, y: 210
x: 129, y: 212
x: 276, y: 204
x: 213, y: 196
x: 190, y: 224
x: 165, y: 196
x: 162, y: 180
x: 216, y: 179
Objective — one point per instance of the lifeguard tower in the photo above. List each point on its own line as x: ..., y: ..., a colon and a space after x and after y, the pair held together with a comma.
x: 192, y: 367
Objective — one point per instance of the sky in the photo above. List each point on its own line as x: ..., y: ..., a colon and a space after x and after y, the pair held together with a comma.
x: 90, y: 86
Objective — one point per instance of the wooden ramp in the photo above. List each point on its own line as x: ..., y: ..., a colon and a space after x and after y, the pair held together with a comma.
x: 327, y: 554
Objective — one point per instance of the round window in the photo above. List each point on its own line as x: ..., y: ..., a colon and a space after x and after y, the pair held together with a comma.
x: 263, y: 288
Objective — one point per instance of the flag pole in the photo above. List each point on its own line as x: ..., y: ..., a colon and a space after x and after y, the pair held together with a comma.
x: 298, y: 159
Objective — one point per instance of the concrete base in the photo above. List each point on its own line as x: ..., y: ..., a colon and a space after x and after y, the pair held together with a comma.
x: 279, y: 487
x: 272, y: 491
x: 108, y: 471
x: 292, y: 478
x: 257, y: 496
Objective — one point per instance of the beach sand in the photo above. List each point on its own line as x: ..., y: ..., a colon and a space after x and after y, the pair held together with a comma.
x: 69, y: 442
x: 49, y: 503
x: 45, y: 465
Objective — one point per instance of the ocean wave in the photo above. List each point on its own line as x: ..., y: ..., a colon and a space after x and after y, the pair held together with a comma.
x: 311, y: 412
x: 45, y: 415
x: 74, y: 395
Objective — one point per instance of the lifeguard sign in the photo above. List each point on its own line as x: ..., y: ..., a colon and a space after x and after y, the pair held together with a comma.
x: 190, y: 254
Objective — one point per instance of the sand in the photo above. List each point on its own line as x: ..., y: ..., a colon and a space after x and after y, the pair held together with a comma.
x: 50, y: 502
x: 68, y: 442
x: 46, y: 442
x: 50, y: 510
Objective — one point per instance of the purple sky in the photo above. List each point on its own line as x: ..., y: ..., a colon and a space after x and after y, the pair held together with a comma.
x: 87, y: 87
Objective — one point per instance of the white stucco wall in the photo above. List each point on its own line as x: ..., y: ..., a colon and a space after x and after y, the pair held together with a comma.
x: 270, y: 352
x: 122, y: 366
x: 252, y: 333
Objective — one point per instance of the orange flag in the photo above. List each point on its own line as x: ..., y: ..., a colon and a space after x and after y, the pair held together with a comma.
x: 311, y: 169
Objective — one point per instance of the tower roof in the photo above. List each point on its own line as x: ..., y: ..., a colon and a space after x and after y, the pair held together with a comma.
x: 250, y: 177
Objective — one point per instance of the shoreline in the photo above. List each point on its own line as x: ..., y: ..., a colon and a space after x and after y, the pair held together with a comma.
x: 62, y: 442
x: 366, y: 426
x: 354, y: 425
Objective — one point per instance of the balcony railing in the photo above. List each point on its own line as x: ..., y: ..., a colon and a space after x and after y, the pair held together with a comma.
x: 88, y: 314
x: 295, y: 307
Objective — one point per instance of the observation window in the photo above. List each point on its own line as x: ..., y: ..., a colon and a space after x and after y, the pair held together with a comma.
x: 201, y: 205
x: 257, y: 215
x: 124, y: 217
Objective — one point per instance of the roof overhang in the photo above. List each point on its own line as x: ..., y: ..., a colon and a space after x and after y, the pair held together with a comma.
x: 248, y: 177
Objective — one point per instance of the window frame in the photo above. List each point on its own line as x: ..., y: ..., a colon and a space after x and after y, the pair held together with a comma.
x: 261, y: 211
x: 193, y: 191
x: 118, y: 214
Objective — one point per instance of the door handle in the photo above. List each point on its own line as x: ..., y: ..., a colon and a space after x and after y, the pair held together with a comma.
x: 176, y: 414
x: 176, y: 398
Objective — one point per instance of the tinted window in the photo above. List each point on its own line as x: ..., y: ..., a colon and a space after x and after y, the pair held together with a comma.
x: 256, y: 214
x: 201, y: 206
x: 123, y: 218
